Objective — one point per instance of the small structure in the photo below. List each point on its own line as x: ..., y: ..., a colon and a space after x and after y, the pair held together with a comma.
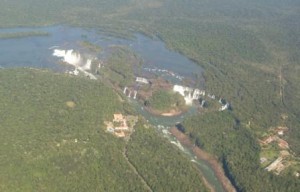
x: 121, y: 122
x: 280, y: 142
x: 211, y: 96
x: 281, y: 130
x: 280, y: 133
x: 263, y: 159
x: 131, y: 93
x: 118, y: 117
x: 268, y: 140
x: 120, y: 133
x: 121, y: 126
x: 274, y: 165
x: 142, y: 80
x: 284, y: 153
x: 110, y: 129
x: 283, y: 144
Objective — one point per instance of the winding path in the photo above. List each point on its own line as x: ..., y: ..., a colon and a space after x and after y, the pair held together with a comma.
x: 281, y: 85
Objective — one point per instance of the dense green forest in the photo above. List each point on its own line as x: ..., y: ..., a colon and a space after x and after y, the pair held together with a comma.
x: 53, y: 139
x: 50, y: 146
x: 165, y: 101
x: 22, y: 34
x: 120, y: 66
x: 235, y: 146
x: 250, y: 51
x: 176, y: 173
x: 239, y: 43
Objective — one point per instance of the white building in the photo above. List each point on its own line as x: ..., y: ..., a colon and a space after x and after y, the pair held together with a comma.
x: 142, y: 80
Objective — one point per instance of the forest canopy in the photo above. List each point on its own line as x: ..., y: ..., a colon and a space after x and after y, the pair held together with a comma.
x: 249, y: 50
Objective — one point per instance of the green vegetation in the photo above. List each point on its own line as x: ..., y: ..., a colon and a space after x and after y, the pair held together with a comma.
x: 175, y: 173
x: 237, y: 149
x: 91, y: 47
x: 165, y: 101
x: 120, y: 67
x: 46, y: 145
x: 22, y: 34
x: 239, y: 43
x: 249, y: 50
x: 53, y: 139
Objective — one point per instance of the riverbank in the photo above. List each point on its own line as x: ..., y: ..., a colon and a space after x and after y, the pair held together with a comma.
x: 171, y: 113
x: 18, y: 35
x: 202, y: 155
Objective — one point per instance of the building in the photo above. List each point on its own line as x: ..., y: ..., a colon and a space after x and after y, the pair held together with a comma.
x: 120, y: 133
x: 268, y: 140
x: 118, y: 117
x: 274, y: 165
x: 121, y: 121
x: 281, y: 130
x: 142, y: 80
x: 121, y: 126
x: 283, y: 144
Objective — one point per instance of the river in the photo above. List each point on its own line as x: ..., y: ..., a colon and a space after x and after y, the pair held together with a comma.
x: 163, y: 124
x: 36, y: 52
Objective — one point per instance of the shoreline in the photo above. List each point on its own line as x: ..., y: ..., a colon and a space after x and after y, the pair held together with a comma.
x: 203, y: 155
x: 164, y: 114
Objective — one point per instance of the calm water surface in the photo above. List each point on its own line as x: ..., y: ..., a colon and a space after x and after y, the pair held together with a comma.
x: 35, y: 52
